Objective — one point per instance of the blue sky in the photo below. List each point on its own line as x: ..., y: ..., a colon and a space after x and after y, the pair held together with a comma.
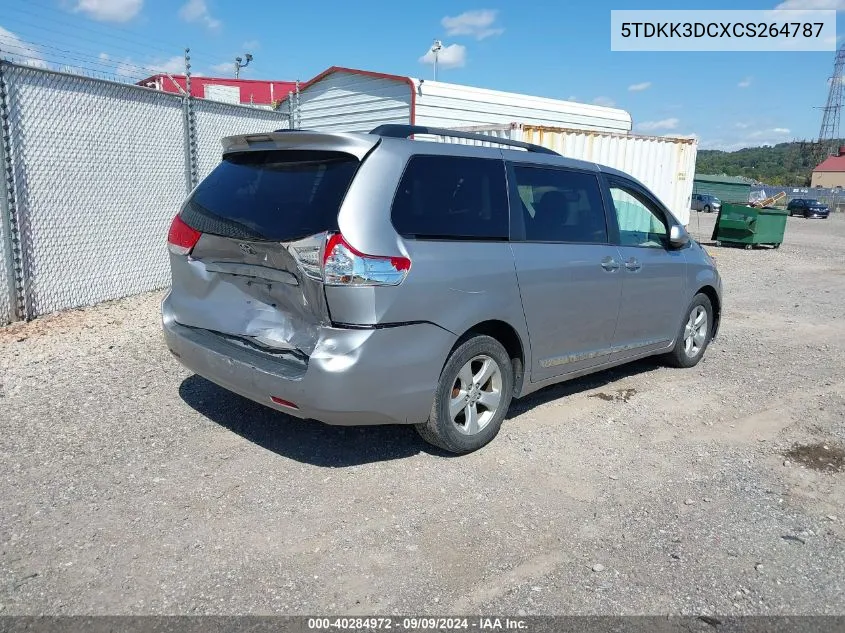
x: 547, y: 48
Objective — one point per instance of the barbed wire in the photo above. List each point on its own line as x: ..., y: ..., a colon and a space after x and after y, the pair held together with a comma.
x: 42, y: 52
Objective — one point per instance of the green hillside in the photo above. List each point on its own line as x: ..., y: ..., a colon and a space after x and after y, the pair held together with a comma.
x: 782, y: 164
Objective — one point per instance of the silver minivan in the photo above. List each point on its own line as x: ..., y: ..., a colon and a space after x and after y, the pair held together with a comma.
x: 372, y: 279
x: 705, y: 202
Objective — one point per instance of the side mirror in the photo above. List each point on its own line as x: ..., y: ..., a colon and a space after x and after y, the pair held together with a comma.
x: 678, y: 237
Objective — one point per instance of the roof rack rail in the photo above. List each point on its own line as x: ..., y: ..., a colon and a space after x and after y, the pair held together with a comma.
x: 396, y: 130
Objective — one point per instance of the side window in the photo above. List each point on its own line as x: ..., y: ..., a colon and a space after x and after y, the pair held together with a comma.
x: 452, y: 197
x: 559, y: 205
x: 640, y: 223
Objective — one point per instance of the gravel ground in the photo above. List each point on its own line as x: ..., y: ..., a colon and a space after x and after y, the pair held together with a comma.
x: 130, y: 486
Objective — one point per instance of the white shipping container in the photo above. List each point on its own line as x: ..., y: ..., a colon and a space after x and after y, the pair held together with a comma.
x: 440, y: 104
x: 666, y: 165
x: 350, y: 100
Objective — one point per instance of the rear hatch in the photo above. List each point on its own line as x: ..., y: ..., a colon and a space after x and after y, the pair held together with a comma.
x: 246, y: 245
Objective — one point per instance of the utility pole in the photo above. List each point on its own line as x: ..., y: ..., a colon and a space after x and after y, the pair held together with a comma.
x: 239, y: 65
x: 829, y: 133
x: 435, y: 48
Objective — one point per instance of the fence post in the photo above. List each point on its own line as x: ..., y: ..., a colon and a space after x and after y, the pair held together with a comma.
x: 291, y: 121
x: 9, y: 212
x: 189, y: 128
x: 298, y: 111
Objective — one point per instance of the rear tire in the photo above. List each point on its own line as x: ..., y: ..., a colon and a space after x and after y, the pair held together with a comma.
x: 694, y: 335
x: 472, y: 397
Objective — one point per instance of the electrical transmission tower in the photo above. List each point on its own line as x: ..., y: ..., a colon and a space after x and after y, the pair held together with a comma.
x: 829, y: 132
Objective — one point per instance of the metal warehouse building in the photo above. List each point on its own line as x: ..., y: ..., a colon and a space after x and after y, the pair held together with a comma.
x: 349, y: 100
x: 730, y: 189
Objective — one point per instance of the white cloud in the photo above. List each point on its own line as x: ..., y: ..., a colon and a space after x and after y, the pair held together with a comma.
x: 752, y: 138
x: 640, y: 87
x: 572, y: 98
x: 662, y: 124
x: 109, y: 10
x: 795, y: 5
x: 174, y: 65
x: 223, y: 67
x: 478, y: 24
x: 251, y: 45
x: 742, y: 126
x: 104, y: 57
x: 744, y: 83
x: 21, y: 51
x: 452, y: 56
x: 197, y: 11
x: 604, y: 101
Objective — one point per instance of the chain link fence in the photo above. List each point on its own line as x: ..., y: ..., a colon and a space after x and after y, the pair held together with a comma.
x: 833, y: 198
x: 96, y: 171
x: 214, y: 120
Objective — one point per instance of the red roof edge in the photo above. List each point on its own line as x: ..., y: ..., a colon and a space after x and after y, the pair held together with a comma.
x: 832, y: 163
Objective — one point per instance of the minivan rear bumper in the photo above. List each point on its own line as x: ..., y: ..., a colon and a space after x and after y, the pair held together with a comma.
x: 384, y: 375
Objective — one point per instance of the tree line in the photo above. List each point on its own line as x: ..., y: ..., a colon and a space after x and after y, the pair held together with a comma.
x: 781, y: 164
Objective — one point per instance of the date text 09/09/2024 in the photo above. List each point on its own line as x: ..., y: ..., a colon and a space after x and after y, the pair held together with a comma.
x: 417, y: 624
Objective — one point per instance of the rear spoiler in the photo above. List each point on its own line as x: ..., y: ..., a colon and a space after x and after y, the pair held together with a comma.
x: 358, y: 145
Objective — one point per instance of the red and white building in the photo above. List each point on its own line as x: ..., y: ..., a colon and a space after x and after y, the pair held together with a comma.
x: 257, y: 92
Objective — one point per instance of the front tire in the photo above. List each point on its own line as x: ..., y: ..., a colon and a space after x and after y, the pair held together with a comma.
x: 694, y: 335
x: 472, y: 397
x: 706, y: 208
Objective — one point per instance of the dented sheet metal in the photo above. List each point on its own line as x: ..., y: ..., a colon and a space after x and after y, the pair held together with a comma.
x: 252, y: 290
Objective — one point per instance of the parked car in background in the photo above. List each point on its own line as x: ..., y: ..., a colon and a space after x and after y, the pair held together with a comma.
x: 808, y: 207
x: 705, y: 202
x: 372, y: 279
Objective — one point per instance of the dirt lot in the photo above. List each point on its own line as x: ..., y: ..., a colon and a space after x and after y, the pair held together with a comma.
x: 130, y: 486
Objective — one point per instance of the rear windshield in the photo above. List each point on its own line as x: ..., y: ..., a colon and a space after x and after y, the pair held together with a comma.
x: 279, y: 195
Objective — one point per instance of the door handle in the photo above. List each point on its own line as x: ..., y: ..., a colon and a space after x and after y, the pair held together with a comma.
x: 609, y: 264
x: 633, y: 265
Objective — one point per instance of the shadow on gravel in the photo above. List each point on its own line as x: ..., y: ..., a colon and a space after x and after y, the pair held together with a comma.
x: 305, y: 441
x: 578, y: 385
x: 320, y: 444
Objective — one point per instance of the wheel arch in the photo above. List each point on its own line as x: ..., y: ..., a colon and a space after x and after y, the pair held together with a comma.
x: 507, y: 335
x: 716, y: 303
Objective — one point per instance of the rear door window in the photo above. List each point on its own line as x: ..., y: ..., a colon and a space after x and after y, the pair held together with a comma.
x: 452, y: 197
x: 559, y: 205
x: 277, y: 195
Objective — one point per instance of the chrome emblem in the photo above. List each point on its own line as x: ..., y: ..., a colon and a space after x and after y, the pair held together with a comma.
x: 246, y: 249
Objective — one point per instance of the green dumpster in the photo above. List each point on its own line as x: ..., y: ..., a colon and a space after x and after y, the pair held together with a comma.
x: 739, y: 224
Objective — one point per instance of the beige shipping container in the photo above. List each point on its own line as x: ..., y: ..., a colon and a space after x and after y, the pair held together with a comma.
x: 666, y: 165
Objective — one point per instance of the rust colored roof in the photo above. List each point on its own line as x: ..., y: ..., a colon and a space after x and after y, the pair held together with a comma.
x: 832, y: 163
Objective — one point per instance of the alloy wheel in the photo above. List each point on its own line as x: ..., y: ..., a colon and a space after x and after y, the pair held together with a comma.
x: 476, y: 395
x: 695, y: 331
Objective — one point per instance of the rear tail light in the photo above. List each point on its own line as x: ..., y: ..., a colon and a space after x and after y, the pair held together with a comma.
x: 345, y: 266
x: 181, y: 238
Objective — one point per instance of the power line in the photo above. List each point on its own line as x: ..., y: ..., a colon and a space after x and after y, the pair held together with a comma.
x: 133, y: 51
x: 119, y: 33
x: 36, y: 52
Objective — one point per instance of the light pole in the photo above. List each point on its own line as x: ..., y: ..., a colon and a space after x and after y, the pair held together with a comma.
x: 435, y: 48
x: 239, y: 65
